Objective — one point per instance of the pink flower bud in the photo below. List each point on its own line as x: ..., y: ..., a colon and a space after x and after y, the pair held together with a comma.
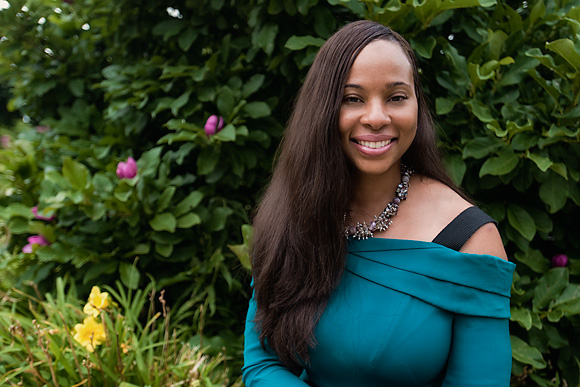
x: 37, y: 240
x: 559, y: 260
x: 41, y: 217
x: 127, y: 170
x: 213, y: 125
x: 5, y: 141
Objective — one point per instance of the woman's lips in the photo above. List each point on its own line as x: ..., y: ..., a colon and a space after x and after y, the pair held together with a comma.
x: 373, y: 148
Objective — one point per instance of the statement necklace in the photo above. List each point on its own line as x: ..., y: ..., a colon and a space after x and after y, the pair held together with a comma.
x: 383, y: 220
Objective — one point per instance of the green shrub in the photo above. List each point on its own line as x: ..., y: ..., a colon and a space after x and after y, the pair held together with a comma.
x: 113, y: 80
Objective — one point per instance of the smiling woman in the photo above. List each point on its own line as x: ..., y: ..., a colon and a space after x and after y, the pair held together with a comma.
x: 417, y: 294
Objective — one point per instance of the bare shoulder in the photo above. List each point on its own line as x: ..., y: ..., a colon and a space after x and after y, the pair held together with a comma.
x: 439, y: 199
x: 486, y: 240
x: 431, y: 205
x: 440, y: 204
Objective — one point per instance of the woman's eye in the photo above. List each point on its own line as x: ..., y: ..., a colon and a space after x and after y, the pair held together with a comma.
x: 351, y: 98
x: 398, y: 98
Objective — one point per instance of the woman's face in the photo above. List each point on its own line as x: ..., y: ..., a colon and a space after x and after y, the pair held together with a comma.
x: 378, y: 115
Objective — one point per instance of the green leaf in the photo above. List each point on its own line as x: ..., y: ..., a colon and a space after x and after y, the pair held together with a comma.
x: 455, y: 167
x: 140, y: 249
x: 534, y: 259
x: 102, y: 183
x: 524, y: 141
x: 253, y: 85
x: 164, y: 250
x: 497, y: 129
x: 542, y: 162
x: 77, y: 87
x: 521, y: 221
x: 123, y: 191
x: 207, y: 161
x: 518, y: 71
x: 186, y: 38
x: 554, y: 192
x: 480, y: 147
x: 568, y: 301
x: 16, y: 209
x: 444, y: 105
x: 296, y: 43
x: 555, y: 339
x: 188, y: 220
x: 242, y: 251
x: 481, y: 111
x: 130, y: 275
x: 266, y: 37
x: 549, y: 287
x: 227, y: 134
x: 225, y: 101
x: 218, y: 217
x: 165, y: 198
x: 522, y: 316
x: 149, y: 162
x: 525, y: 353
x: 180, y: 102
x: 555, y: 315
x: 503, y: 164
x: 190, y: 202
x: 454, y: 4
x: 257, y: 109
x: 75, y: 173
x: 99, y: 269
x: 565, y: 48
x: 424, y: 46
x: 168, y: 28
x: 163, y: 222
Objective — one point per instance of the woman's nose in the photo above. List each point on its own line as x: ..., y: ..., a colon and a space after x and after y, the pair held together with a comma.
x: 375, y: 115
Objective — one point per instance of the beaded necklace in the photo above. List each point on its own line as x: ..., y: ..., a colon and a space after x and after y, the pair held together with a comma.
x: 383, y: 220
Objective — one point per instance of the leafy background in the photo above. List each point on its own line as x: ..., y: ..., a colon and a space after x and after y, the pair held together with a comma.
x: 85, y: 84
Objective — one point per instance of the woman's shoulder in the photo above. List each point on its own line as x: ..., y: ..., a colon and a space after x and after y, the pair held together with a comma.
x: 435, y: 205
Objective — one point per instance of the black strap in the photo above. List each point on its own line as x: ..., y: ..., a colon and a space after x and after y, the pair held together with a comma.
x: 456, y: 233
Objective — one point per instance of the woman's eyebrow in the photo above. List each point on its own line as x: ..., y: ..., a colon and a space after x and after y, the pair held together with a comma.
x: 388, y: 85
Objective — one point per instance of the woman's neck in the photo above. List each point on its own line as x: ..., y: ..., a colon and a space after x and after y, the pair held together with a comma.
x: 372, y: 193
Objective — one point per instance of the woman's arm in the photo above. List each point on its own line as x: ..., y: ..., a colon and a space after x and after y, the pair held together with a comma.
x: 263, y: 368
x: 480, y: 354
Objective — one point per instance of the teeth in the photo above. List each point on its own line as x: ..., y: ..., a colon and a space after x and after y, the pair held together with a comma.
x: 374, y: 144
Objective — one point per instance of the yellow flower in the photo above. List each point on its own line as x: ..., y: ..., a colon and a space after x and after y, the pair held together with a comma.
x: 97, y: 301
x: 90, y: 333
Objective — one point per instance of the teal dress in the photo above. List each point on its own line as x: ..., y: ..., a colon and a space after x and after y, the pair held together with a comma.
x: 406, y: 313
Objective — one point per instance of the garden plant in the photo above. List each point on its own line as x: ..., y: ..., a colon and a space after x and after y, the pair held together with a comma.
x: 136, y: 141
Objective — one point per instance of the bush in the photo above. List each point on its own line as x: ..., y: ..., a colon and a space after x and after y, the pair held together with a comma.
x: 99, y: 82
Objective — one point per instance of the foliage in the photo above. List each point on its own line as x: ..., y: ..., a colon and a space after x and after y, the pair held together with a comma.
x: 101, y: 81
x: 40, y: 346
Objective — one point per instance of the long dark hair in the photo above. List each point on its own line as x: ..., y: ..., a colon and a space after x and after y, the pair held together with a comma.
x: 299, y: 249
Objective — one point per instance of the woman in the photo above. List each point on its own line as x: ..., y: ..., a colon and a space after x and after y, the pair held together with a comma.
x: 370, y: 267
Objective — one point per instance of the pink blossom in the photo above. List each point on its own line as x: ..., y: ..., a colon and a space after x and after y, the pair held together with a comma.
x: 41, y: 217
x: 37, y: 240
x: 213, y: 125
x: 42, y: 129
x: 559, y: 260
x: 127, y: 170
x: 5, y: 141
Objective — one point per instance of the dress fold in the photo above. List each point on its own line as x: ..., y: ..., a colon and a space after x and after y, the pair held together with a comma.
x: 470, y: 284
